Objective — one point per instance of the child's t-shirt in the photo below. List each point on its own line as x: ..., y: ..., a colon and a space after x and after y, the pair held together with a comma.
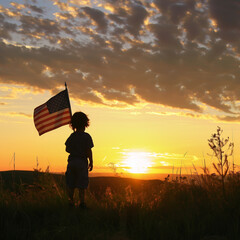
x: 78, y: 144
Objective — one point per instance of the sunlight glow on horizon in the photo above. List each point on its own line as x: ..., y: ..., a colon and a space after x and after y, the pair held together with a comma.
x: 137, y: 162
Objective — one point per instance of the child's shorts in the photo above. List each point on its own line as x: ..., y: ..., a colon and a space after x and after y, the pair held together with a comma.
x: 77, y: 175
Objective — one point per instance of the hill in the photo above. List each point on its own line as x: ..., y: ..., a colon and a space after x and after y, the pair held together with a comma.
x: 11, y: 178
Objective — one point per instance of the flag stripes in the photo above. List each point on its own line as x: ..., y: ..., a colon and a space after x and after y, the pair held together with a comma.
x: 46, y: 116
x: 60, y: 114
x: 38, y: 109
x: 55, y: 125
x: 52, y: 120
x: 41, y: 113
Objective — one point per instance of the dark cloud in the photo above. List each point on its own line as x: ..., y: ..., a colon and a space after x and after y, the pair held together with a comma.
x: 196, y: 27
x: 166, y: 34
x: 178, y: 11
x: 136, y: 19
x: 226, y: 13
x: 6, y: 29
x: 30, y: 24
x: 175, y: 10
x: 181, y: 54
x: 35, y: 8
x: 116, y: 19
x: 98, y: 17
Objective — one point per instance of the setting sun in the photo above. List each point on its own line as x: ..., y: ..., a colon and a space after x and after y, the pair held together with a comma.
x: 137, y: 162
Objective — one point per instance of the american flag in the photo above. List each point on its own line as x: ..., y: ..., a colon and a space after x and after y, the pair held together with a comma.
x: 53, y: 114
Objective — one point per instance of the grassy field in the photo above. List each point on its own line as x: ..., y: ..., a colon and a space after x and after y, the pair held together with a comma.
x: 33, y: 205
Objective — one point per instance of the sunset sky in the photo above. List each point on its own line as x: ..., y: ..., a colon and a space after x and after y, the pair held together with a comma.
x: 155, y: 77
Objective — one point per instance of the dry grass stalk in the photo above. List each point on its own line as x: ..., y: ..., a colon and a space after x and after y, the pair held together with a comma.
x: 222, y: 150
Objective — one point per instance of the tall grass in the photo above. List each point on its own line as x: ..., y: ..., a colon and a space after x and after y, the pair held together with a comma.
x: 122, y: 209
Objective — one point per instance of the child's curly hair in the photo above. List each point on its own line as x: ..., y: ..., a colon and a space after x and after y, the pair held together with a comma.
x: 79, y: 121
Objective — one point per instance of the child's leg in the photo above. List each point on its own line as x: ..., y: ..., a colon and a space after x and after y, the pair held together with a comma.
x: 82, y: 195
x: 70, y: 193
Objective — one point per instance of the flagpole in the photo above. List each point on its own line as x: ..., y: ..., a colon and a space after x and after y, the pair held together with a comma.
x: 68, y: 99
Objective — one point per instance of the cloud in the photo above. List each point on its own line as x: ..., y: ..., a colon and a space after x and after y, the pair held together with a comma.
x: 35, y: 8
x: 98, y: 18
x: 6, y: 27
x: 226, y: 13
x: 226, y: 16
x: 8, y: 92
x: 179, y: 54
x: 3, y: 104
x: 166, y: 34
x: 20, y: 114
x: 16, y: 114
x: 229, y: 118
x: 182, y: 114
x: 39, y: 27
x: 136, y: 19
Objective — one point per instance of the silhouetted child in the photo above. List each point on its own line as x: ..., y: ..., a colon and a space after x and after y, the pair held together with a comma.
x: 79, y: 145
